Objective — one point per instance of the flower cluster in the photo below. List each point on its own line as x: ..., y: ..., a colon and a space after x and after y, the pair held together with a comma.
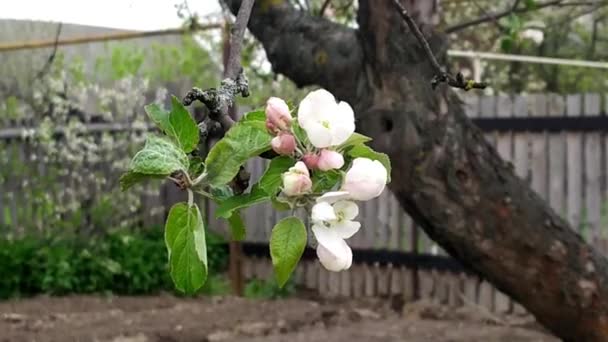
x: 327, y: 126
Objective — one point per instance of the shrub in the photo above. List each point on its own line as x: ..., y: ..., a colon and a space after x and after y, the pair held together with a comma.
x: 122, y: 262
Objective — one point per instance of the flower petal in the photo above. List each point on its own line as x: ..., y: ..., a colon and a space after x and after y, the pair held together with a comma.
x: 346, y: 229
x: 337, y: 259
x: 319, y: 135
x: 327, y: 237
x: 316, y: 106
x: 333, y: 196
x: 347, y: 209
x: 323, y: 211
x: 342, y: 123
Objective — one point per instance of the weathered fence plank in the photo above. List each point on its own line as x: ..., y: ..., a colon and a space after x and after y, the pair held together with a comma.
x: 592, y: 165
x: 574, y: 144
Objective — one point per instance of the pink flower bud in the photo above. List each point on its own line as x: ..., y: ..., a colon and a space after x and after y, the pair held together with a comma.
x: 277, y: 114
x: 283, y: 144
x: 272, y: 129
x: 329, y: 160
x: 311, y: 160
x: 296, y: 181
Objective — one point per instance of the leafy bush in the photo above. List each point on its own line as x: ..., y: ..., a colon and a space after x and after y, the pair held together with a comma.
x: 268, y: 289
x: 121, y: 262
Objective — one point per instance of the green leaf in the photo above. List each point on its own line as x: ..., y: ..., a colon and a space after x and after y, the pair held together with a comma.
x: 325, y: 181
x: 354, y: 139
x: 279, y: 204
x: 363, y: 151
x: 506, y: 43
x: 287, y: 243
x: 221, y: 193
x: 237, y: 227
x: 267, y: 186
x: 271, y: 180
x: 183, y: 127
x: 197, y: 166
x: 258, y: 115
x: 177, y: 124
x: 159, y: 116
x: 185, y: 240
x: 243, y: 141
x: 159, y: 157
x: 130, y: 178
x: 225, y: 208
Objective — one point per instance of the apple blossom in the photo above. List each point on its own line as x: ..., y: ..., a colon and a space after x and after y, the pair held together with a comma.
x: 365, y: 179
x: 296, y: 181
x: 332, y: 224
x: 311, y: 160
x: 326, y: 122
x: 336, y: 260
x: 283, y: 144
x: 329, y: 160
x: 278, y: 117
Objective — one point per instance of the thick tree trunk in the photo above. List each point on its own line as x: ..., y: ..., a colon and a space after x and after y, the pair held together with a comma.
x: 445, y: 174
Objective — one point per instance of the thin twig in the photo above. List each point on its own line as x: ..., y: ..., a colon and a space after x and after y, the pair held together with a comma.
x: 236, y: 39
x: 499, y: 15
x: 440, y: 75
x: 324, y: 7
x: 49, y: 62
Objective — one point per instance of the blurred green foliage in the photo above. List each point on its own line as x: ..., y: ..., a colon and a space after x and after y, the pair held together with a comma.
x: 268, y: 289
x: 122, y: 262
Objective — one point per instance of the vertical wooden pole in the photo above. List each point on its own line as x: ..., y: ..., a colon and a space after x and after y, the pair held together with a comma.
x: 235, y: 249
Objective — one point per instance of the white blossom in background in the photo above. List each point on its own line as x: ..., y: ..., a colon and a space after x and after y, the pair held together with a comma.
x: 326, y: 122
x: 80, y: 170
x: 536, y: 35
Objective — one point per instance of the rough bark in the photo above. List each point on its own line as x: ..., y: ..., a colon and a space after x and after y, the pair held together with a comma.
x: 445, y: 174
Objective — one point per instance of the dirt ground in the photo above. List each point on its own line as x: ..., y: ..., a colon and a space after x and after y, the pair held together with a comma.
x: 167, y: 318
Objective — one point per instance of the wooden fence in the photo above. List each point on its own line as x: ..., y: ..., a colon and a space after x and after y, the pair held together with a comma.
x: 557, y: 143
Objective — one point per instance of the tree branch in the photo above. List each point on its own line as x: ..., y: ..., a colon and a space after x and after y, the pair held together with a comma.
x: 219, y: 101
x: 440, y: 75
x: 496, y: 16
x: 326, y: 54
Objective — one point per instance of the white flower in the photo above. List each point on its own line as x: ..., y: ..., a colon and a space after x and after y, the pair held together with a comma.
x: 332, y: 224
x: 326, y: 122
x: 296, y: 181
x: 340, y: 259
x: 365, y: 179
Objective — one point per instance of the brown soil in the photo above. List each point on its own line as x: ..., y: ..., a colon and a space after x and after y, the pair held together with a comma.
x: 167, y: 318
